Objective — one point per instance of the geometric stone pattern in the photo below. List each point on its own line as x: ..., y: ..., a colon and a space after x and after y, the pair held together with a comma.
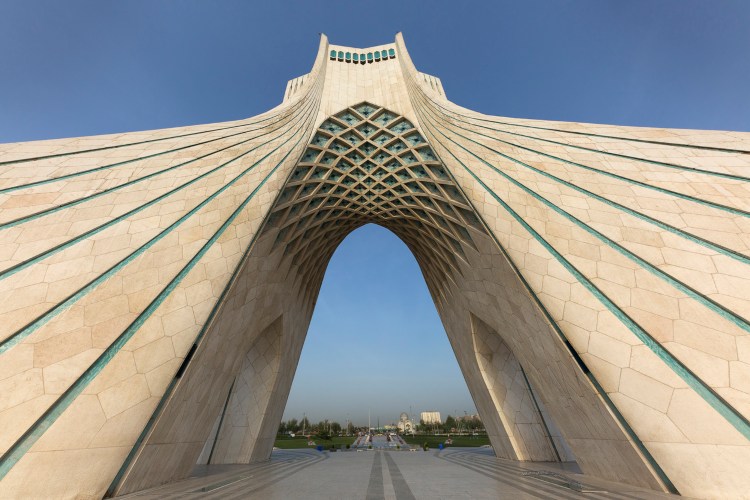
x: 156, y: 287
x: 369, y: 165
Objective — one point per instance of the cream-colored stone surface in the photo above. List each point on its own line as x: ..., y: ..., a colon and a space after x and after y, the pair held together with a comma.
x: 156, y: 287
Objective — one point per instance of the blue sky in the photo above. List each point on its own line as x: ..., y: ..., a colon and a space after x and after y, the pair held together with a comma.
x: 91, y: 67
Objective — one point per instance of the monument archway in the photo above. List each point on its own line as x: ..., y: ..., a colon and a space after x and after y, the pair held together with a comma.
x: 157, y: 287
x: 368, y: 164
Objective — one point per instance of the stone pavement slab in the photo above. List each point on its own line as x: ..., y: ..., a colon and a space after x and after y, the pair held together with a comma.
x: 454, y: 473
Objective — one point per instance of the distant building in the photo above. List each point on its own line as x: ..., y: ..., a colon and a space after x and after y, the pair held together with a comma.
x: 431, y: 417
x: 405, y: 424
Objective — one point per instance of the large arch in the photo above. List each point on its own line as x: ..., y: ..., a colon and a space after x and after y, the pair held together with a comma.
x: 157, y: 286
x: 367, y: 164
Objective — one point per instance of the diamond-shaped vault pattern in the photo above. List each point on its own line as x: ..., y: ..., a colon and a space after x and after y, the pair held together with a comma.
x: 364, y: 165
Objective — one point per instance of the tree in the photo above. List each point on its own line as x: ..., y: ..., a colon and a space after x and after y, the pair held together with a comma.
x: 282, y: 427
x: 450, y: 424
x: 292, y: 425
x: 475, y: 423
x: 335, y: 428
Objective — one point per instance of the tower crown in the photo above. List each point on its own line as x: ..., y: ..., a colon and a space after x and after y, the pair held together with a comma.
x: 362, y: 56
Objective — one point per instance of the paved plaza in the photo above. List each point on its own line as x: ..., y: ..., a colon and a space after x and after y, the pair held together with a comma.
x: 403, y: 475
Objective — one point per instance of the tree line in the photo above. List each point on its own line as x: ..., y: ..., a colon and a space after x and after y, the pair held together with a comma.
x: 451, y: 424
x: 295, y: 426
x: 333, y: 428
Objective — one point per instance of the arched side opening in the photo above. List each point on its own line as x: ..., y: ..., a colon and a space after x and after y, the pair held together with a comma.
x: 242, y: 428
x: 532, y: 432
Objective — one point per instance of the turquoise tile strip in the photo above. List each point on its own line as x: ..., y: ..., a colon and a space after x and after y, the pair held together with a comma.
x: 712, y: 204
x: 62, y: 246
x: 603, y: 136
x: 667, y: 227
x: 72, y: 203
x: 599, y: 151
x: 46, y: 317
x: 736, y: 419
x: 94, y: 170
x: 80, y: 173
x: 635, y: 440
x: 105, y: 148
x: 628, y: 139
x: 172, y: 385
x: 20, y: 447
x: 707, y: 302
x: 362, y: 58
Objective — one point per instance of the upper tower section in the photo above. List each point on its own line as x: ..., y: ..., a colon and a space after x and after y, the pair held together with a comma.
x: 353, y: 75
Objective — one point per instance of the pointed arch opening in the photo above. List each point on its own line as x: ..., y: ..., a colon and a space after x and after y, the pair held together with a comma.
x: 369, y: 165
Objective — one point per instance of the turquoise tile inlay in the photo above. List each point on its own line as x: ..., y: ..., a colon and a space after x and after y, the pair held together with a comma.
x: 707, y: 302
x: 712, y: 204
x: 43, y: 319
x: 599, y: 389
x: 627, y: 139
x: 118, y: 146
x: 696, y: 239
x: 16, y: 452
x: 737, y: 420
x: 168, y: 392
x: 117, y: 164
x: 28, y: 262
x: 72, y: 203
x: 682, y: 233
x: 617, y: 155
x: 363, y: 57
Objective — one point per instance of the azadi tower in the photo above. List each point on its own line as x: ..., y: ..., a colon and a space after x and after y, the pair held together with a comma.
x: 156, y: 287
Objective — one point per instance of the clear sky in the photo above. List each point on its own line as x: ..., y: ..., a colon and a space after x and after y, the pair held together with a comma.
x: 90, y: 67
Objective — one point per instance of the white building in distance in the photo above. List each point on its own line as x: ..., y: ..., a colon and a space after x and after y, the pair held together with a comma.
x: 430, y: 417
x: 405, y: 424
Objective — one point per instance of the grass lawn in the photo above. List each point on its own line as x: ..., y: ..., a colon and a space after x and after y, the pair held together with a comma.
x: 287, y: 443
x: 434, y: 441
